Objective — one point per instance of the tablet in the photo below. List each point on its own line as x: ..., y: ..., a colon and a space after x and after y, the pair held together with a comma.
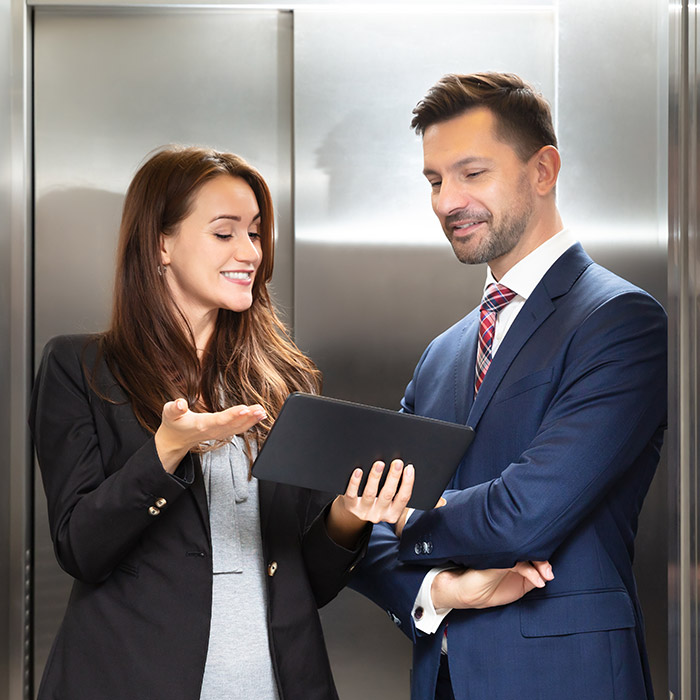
x: 317, y: 442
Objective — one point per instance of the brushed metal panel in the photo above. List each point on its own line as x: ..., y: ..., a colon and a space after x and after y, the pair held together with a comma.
x: 375, y: 279
x: 110, y: 86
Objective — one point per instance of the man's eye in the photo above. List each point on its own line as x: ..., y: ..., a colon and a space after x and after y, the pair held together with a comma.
x: 475, y: 174
x: 435, y: 185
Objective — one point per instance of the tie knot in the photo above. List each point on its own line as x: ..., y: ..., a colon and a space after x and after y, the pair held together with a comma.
x: 497, y: 296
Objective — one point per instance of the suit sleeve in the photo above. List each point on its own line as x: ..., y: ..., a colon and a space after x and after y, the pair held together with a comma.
x: 606, y: 418
x: 95, y: 519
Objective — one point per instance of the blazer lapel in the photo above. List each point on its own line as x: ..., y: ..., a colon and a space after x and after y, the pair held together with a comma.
x: 199, y: 492
x: 558, y: 281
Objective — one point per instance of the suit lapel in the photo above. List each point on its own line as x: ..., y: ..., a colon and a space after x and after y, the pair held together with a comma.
x: 465, y: 361
x: 558, y: 281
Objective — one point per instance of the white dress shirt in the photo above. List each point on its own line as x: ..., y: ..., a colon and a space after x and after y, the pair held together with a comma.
x: 522, y: 279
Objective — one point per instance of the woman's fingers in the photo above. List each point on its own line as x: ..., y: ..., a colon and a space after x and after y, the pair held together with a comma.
x: 369, y: 493
x: 354, y: 484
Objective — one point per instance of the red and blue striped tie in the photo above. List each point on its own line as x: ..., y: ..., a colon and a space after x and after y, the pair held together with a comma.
x: 497, y: 297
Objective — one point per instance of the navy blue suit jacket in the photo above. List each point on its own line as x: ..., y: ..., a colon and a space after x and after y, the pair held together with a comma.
x: 569, y: 422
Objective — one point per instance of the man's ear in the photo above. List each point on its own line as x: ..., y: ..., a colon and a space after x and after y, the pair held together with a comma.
x: 546, y: 165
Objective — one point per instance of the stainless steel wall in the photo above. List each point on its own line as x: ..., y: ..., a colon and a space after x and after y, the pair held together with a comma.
x: 319, y: 98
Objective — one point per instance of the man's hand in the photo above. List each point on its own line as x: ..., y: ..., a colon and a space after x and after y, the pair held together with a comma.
x: 473, y: 588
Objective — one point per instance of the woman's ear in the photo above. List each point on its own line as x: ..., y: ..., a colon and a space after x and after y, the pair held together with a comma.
x: 165, y: 250
x: 547, y: 163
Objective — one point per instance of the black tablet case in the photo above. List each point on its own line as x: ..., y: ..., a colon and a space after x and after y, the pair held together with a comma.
x: 316, y: 442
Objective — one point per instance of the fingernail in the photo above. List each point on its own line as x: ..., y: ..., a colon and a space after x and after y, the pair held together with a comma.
x: 357, y: 474
x: 397, y: 466
x: 408, y: 470
x: 379, y: 467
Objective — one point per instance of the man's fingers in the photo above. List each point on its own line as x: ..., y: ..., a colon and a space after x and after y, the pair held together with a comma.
x: 544, y: 569
x: 529, y: 573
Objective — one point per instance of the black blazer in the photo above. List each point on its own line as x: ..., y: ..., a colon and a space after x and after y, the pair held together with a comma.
x: 137, y: 542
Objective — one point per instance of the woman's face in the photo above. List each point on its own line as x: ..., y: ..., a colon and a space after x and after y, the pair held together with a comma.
x: 213, y: 257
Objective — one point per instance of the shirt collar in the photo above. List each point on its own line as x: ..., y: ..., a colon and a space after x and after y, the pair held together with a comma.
x: 526, y: 274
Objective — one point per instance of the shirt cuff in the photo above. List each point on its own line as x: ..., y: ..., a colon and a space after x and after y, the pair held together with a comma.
x: 425, y: 617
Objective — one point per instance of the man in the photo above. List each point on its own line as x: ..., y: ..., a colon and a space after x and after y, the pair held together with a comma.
x: 562, y: 374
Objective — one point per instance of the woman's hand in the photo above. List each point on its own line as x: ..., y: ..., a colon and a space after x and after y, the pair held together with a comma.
x: 474, y: 588
x: 350, y: 513
x: 181, y: 430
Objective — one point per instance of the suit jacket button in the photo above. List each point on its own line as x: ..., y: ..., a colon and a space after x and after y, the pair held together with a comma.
x: 161, y: 502
x: 418, y: 613
x: 153, y: 510
x: 271, y: 568
x: 427, y: 547
x: 418, y: 549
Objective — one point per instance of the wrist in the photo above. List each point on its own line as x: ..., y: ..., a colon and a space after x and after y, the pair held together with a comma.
x: 169, y: 453
x: 443, y: 593
x: 343, y: 527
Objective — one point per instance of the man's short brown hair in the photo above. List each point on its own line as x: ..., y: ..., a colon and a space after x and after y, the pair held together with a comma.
x: 523, y: 116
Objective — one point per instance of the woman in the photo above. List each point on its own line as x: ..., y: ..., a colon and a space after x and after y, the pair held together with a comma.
x: 191, y: 579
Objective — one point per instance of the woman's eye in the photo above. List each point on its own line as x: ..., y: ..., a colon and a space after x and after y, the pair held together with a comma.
x: 253, y: 234
x: 223, y: 236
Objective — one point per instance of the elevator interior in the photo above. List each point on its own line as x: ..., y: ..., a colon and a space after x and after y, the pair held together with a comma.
x: 318, y: 97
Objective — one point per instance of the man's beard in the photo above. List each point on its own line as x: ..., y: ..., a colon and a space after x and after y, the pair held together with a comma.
x: 498, y: 240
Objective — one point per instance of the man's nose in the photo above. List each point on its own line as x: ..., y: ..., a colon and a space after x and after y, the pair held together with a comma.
x: 450, y: 198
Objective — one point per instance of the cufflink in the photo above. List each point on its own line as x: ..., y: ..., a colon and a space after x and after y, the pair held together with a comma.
x: 153, y: 510
x: 418, y: 613
x: 271, y: 568
x: 161, y: 502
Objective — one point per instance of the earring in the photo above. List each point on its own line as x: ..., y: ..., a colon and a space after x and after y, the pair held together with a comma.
x: 162, y: 269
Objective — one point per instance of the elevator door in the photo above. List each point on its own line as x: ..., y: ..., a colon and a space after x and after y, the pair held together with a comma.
x: 110, y: 86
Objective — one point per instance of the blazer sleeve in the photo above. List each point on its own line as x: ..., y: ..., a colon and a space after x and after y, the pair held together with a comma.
x: 607, y: 417
x: 95, y: 519
x: 328, y: 564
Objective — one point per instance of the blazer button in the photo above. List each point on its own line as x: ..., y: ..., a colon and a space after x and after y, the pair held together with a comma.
x: 153, y: 510
x: 161, y: 502
x: 427, y: 547
x: 418, y: 549
x: 271, y: 568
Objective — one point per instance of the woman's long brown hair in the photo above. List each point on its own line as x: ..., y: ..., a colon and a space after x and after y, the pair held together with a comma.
x: 150, y: 347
